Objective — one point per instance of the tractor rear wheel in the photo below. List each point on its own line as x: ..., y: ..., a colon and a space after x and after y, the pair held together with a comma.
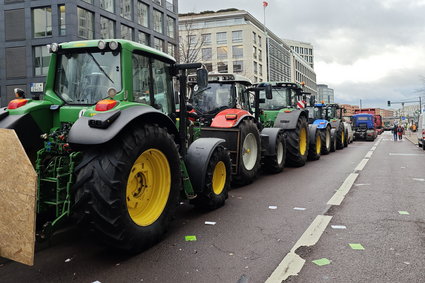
x: 276, y: 163
x: 333, y: 140
x: 340, y: 137
x: 128, y: 191
x: 345, y: 137
x: 315, y: 147
x: 217, y: 181
x: 326, y: 140
x: 249, y: 153
x: 297, y: 144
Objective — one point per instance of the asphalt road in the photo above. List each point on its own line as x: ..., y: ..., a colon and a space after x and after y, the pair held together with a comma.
x: 250, y: 240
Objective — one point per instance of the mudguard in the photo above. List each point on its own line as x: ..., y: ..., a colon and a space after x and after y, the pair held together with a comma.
x: 84, y: 131
x: 27, y: 130
x: 197, y: 158
x: 321, y: 124
x: 271, y: 133
x: 234, y: 117
x: 288, y: 120
x: 312, y: 133
x: 333, y: 133
x: 335, y: 124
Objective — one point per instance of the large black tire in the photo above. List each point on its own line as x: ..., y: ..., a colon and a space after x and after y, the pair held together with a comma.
x: 217, y: 181
x: 333, y: 140
x: 340, y: 136
x: 276, y: 163
x: 128, y: 190
x: 296, y: 155
x: 325, y: 134
x: 345, y: 137
x: 423, y: 145
x: 250, y: 153
x: 315, y: 146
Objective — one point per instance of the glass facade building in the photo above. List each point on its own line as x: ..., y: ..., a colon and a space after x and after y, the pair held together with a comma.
x: 26, y: 27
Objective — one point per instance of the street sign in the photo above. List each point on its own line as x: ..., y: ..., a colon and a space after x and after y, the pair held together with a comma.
x: 36, y: 87
x: 403, y: 118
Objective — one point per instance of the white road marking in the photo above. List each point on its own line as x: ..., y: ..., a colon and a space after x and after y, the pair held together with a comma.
x: 419, y: 179
x: 339, y: 227
x: 299, y: 208
x: 339, y: 195
x: 369, y: 154
x: 405, y: 154
x: 293, y: 263
x: 373, y: 148
x: 272, y: 207
x: 361, y: 165
x: 358, y: 185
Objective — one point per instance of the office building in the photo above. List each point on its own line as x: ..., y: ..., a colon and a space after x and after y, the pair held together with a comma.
x: 26, y: 27
x: 304, y: 49
x: 325, y: 94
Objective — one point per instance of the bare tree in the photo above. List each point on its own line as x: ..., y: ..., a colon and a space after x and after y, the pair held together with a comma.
x: 191, y: 43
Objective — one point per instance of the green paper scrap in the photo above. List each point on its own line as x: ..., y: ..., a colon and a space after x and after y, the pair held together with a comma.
x: 356, y: 246
x: 190, y: 238
x: 321, y: 262
x: 404, y: 213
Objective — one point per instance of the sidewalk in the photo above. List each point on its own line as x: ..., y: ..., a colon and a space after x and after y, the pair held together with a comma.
x: 411, y: 136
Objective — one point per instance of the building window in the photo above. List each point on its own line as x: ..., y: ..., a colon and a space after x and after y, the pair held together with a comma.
x: 142, y: 14
x: 89, y: 1
x: 238, y: 66
x: 42, y: 22
x: 206, y: 54
x: 158, y: 2
x: 260, y: 67
x: 222, y: 67
x: 254, y: 37
x: 259, y: 41
x: 143, y: 38
x: 221, y: 37
x: 85, y: 24
x: 222, y: 52
x: 171, y: 23
x: 157, y: 21
x: 206, y: 38
x: 108, y: 5
x: 208, y: 66
x: 191, y: 40
x: 260, y: 55
x: 237, y: 51
x: 237, y: 36
x: 170, y: 5
x: 126, y: 9
x: 41, y: 60
x: 171, y: 49
x: 158, y: 44
x: 254, y: 52
x: 107, y: 28
x: 255, y: 68
x: 126, y: 32
x: 62, y: 23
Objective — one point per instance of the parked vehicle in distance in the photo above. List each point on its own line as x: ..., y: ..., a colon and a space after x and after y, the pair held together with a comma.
x: 377, y: 118
x: 364, y: 127
x: 420, y: 133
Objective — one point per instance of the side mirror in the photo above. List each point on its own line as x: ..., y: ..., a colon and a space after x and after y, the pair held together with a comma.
x: 202, y: 78
x: 312, y: 100
x: 268, y: 90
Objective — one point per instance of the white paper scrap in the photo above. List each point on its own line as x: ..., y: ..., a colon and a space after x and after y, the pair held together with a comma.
x: 338, y: 227
x: 299, y: 208
x: 272, y: 207
x: 67, y: 260
x: 210, y: 223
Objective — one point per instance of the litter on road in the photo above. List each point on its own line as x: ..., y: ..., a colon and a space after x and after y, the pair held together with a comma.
x: 356, y: 246
x: 299, y: 208
x: 272, y: 207
x: 338, y: 227
x: 403, y: 213
x: 210, y: 223
x: 321, y: 262
x: 67, y: 260
x: 190, y: 238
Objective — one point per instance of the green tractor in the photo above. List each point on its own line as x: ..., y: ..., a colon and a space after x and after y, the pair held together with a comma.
x: 334, y: 113
x: 109, y: 147
x: 286, y: 110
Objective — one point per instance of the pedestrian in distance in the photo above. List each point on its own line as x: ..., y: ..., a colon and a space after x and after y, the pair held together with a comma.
x: 395, y: 132
x: 400, y: 132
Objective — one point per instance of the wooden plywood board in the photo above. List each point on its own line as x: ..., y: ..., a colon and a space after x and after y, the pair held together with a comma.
x: 18, y: 191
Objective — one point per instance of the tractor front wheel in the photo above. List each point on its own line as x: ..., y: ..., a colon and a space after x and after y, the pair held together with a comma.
x: 333, y: 140
x: 315, y: 147
x: 297, y: 144
x: 217, y: 181
x: 276, y: 163
x: 340, y: 137
x: 128, y: 190
x: 326, y: 140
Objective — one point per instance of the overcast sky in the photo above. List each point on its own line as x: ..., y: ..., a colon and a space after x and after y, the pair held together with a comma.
x: 372, y: 50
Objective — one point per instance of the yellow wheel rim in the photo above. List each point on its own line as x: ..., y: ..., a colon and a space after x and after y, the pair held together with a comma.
x: 219, y: 178
x: 148, y: 187
x: 303, y: 141
x: 318, y: 144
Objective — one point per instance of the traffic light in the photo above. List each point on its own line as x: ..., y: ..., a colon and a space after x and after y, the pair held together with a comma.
x: 389, y: 103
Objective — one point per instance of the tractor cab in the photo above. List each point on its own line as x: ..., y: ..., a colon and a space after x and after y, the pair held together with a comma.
x: 285, y: 95
x: 224, y: 91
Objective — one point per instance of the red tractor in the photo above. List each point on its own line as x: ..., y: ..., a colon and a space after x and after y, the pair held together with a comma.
x: 223, y: 110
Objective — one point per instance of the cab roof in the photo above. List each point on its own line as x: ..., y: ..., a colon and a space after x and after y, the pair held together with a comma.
x: 223, y: 77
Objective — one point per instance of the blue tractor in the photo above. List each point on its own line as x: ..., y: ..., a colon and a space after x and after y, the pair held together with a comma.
x: 317, y: 116
x: 364, y: 127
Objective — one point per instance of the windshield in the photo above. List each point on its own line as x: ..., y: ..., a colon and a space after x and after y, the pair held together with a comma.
x: 281, y: 99
x: 318, y: 113
x: 215, y: 97
x: 331, y: 112
x: 84, y: 78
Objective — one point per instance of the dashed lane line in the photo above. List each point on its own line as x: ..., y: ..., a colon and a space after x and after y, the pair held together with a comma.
x: 293, y: 263
x: 369, y: 154
x: 339, y: 196
x: 361, y: 165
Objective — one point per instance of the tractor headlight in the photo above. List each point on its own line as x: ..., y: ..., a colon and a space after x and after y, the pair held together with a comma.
x: 54, y: 47
x: 112, y: 92
x: 113, y: 45
x: 101, y: 44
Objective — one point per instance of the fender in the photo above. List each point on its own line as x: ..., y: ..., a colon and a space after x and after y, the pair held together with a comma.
x: 312, y: 133
x: 335, y: 123
x: 333, y: 133
x: 271, y: 133
x: 236, y: 116
x: 321, y: 124
x: 288, y: 120
x: 197, y: 158
x: 83, y: 131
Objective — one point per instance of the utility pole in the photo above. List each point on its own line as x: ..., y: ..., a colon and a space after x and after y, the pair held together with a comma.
x: 360, y: 104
